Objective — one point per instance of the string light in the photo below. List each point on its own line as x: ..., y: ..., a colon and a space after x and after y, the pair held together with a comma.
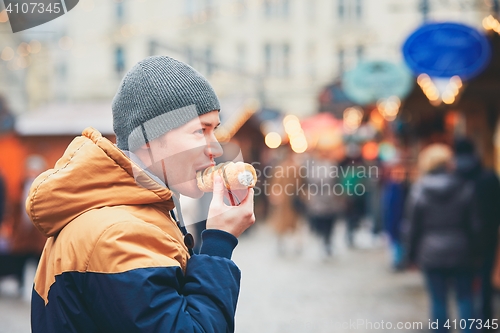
x: 66, y: 43
x: 299, y: 148
x: 7, y: 54
x: 272, y: 140
x: 491, y: 23
x: 389, y: 107
x: 23, y: 49
x: 35, y: 46
x: 352, y: 119
x: 449, y: 93
x: 296, y: 136
x: 292, y: 125
x: 376, y: 119
x: 3, y: 16
x: 448, y: 97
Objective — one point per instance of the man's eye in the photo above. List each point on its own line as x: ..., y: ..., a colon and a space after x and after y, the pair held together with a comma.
x: 200, y: 131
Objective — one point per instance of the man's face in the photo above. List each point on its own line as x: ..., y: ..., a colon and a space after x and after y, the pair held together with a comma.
x: 180, y: 153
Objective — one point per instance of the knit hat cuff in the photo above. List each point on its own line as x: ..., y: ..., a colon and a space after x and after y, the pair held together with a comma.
x: 159, y: 125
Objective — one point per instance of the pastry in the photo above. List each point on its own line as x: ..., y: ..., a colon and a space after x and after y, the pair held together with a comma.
x: 236, y: 176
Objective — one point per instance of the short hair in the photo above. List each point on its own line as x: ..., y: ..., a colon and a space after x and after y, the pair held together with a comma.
x: 433, y: 157
x: 463, y: 145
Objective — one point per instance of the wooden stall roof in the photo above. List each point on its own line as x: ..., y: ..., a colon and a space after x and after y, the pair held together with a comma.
x: 65, y: 119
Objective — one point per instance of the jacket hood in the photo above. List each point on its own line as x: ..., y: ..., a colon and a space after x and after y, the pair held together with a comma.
x: 93, y: 173
x: 467, y: 165
x: 440, y: 187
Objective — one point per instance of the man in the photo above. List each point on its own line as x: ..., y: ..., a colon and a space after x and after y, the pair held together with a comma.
x: 116, y: 261
x: 487, y: 193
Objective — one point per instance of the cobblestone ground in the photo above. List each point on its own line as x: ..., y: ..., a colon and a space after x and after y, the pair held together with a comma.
x: 303, y: 293
x: 306, y: 293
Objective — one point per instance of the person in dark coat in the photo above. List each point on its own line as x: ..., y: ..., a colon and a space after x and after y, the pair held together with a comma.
x: 442, y: 233
x: 395, y: 191
x: 323, y: 205
x: 3, y: 199
x: 487, y: 189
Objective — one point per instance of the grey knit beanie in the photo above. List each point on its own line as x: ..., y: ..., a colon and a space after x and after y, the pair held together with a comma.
x: 157, y: 95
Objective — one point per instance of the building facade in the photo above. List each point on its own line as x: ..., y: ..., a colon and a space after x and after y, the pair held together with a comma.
x: 281, y: 52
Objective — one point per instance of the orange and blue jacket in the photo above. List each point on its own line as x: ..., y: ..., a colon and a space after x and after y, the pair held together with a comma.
x: 115, y: 260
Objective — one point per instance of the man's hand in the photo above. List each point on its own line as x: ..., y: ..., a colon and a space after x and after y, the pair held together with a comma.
x: 232, y: 219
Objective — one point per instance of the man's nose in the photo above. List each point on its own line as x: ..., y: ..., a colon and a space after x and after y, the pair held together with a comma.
x: 214, y: 149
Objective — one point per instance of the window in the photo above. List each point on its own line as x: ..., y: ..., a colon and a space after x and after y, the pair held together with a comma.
x: 267, y: 8
x: 241, y: 58
x: 276, y: 8
x: 359, y: 9
x: 242, y: 8
x: 340, y: 9
x: 285, y: 8
x: 311, y: 60
x: 268, y: 59
x: 209, y: 9
x: 349, y: 9
x: 286, y: 60
x: 360, y: 52
x: 424, y: 8
x: 119, y: 60
x: 62, y: 71
x: 199, y: 9
x: 120, y: 11
x: 341, y: 58
x: 311, y: 10
x: 209, y: 61
x: 189, y: 7
x: 277, y: 60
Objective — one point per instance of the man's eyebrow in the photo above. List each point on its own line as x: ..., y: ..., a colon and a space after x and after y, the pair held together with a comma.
x: 209, y: 124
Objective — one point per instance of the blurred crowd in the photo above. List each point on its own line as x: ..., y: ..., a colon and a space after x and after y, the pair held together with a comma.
x: 440, y: 214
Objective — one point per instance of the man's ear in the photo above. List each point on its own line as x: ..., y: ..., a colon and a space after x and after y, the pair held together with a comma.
x: 143, y: 147
x: 145, y: 155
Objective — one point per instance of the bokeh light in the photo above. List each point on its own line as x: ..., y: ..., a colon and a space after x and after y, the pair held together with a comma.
x: 272, y: 140
x: 35, y: 46
x: 3, y: 16
x: 7, y: 54
x: 66, y: 43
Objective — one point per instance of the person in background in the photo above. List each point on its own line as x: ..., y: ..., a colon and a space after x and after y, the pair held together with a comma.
x: 487, y: 190
x: 322, y: 205
x: 27, y: 241
x: 355, y: 195
x: 284, y: 215
x: 394, y: 196
x: 3, y: 198
x: 442, y: 230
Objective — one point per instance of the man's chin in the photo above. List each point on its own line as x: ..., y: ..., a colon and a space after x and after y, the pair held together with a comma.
x: 194, y: 194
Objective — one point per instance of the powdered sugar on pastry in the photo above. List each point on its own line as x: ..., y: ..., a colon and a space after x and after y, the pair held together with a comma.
x: 245, y: 178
